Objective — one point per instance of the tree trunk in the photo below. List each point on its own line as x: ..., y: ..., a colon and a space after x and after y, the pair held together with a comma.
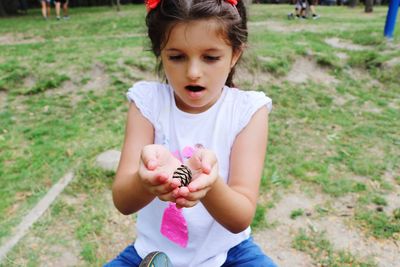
x: 8, y: 7
x: 353, y: 3
x: 369, y: 6
x: 2, y: 11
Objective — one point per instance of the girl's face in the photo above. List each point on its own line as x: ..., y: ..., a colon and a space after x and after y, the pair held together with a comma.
x: 197, y: 60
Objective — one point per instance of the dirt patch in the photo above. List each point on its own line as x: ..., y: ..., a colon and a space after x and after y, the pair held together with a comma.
x: 342, y: 56
x: 119, y: 233
x: 246, y: 78
x: 13, y: 39
x: 341, y: 100
x: 277, y: 242
x: 369, y: 106
x: 98, y: 38
x: 61, y: 256
x: 343, y: 237
x: 20, y: 38
x: 285, y: 28
x: 29, y: 82
x: 338, y: 43
x: 305, y: 69
x: 135, y: 73
x: 99, y: 79
x: 67, y: 88
x: 393, y: 198
x: 364, y: 76
x: 56, y: 248
x: 393, y: 45
x: 392, y: 62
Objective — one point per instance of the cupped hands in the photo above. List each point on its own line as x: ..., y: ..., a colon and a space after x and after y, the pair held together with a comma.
x: 156, y: 169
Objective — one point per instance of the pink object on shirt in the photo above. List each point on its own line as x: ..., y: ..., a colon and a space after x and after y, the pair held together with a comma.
x: 188, y: 152
x: 174, y: 226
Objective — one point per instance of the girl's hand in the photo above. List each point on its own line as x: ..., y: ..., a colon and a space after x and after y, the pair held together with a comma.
x: 204, y: 167
x: 156, y: 167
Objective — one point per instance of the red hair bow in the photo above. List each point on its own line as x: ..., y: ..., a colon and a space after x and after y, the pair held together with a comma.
x: 152, y: 4
x: 232, y: 2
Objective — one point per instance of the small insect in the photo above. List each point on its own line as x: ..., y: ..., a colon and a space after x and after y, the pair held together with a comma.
x: 184, y: 174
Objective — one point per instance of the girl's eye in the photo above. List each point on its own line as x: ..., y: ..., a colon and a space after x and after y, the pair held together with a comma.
x: 176, y: 57
x: 211, y: 58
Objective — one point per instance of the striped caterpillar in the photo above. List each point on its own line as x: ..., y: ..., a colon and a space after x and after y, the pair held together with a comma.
x: 184, y: 174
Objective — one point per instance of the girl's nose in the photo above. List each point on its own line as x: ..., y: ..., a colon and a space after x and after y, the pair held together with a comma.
x: 193, y: 70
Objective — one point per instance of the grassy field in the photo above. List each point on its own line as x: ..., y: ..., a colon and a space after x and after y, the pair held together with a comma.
x: 334, y: 130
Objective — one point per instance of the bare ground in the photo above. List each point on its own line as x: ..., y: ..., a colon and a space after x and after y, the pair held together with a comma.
x: 277, y: 242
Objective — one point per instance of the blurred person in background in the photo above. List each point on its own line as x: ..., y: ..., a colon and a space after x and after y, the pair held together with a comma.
x: 45, y: 8
x: 64, y: 4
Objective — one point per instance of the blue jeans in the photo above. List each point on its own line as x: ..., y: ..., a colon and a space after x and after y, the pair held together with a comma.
x: 246, y: 254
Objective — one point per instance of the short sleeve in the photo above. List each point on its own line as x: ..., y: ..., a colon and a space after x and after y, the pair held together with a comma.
x: 249, y: 103
x: 144, y: 95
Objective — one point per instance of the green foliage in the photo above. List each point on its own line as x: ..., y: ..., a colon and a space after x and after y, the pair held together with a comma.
x: 88, y: 252
x: 259, y: 218
x: 296, y: 213
x: 277, y: 66
x: 51, y: 81
x: 380, y: 224
x: 273, y: 178
x: 327, y: 60
x: 396, y: 214
x: 379, y: 200
x: 365, y: 59
x: 12, y: 74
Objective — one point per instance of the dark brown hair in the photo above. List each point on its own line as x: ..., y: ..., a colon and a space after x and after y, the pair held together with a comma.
x: 168, y: 13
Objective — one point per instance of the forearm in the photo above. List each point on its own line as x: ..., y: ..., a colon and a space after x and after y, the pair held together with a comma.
x: 129, y: 195
x: 229, y: 206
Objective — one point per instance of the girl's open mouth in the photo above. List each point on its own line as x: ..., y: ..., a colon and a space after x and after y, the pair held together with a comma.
x: 194, y: 88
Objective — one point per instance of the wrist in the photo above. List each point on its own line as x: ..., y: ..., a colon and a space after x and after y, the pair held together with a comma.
x: 140, y: 187
x: 213, y: 190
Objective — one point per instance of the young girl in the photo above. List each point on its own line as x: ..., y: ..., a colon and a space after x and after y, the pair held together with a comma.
x: 199, y: 120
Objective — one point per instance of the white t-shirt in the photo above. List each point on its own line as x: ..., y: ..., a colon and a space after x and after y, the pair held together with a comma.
x: 181, y: 132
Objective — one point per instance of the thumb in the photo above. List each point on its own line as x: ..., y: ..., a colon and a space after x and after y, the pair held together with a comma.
x: 195, y: 162
x: 149, y: 157
x: 207, y: 159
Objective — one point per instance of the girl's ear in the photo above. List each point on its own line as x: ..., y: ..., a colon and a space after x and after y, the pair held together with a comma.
x: 236, y: 55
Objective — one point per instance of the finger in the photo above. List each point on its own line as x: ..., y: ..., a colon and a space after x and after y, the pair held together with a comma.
x: 208, y: 160
x: 184, y: 203
x: 151, y: 164
x: 195, y: 161
x: 167, y: 197
x: 175, y: 193
x: 195, y: 196
x: 158, y: 179
x: 200, y: 183
x: 175, y: 183
x: 183, y: 192
x: 163, y: 189
x: 149, y: 157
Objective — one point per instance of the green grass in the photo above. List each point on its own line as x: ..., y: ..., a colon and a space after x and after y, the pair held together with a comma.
x: 62, y: 102
x: 296, y: 213
x: 379, y: 224
x: 321, y: 250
